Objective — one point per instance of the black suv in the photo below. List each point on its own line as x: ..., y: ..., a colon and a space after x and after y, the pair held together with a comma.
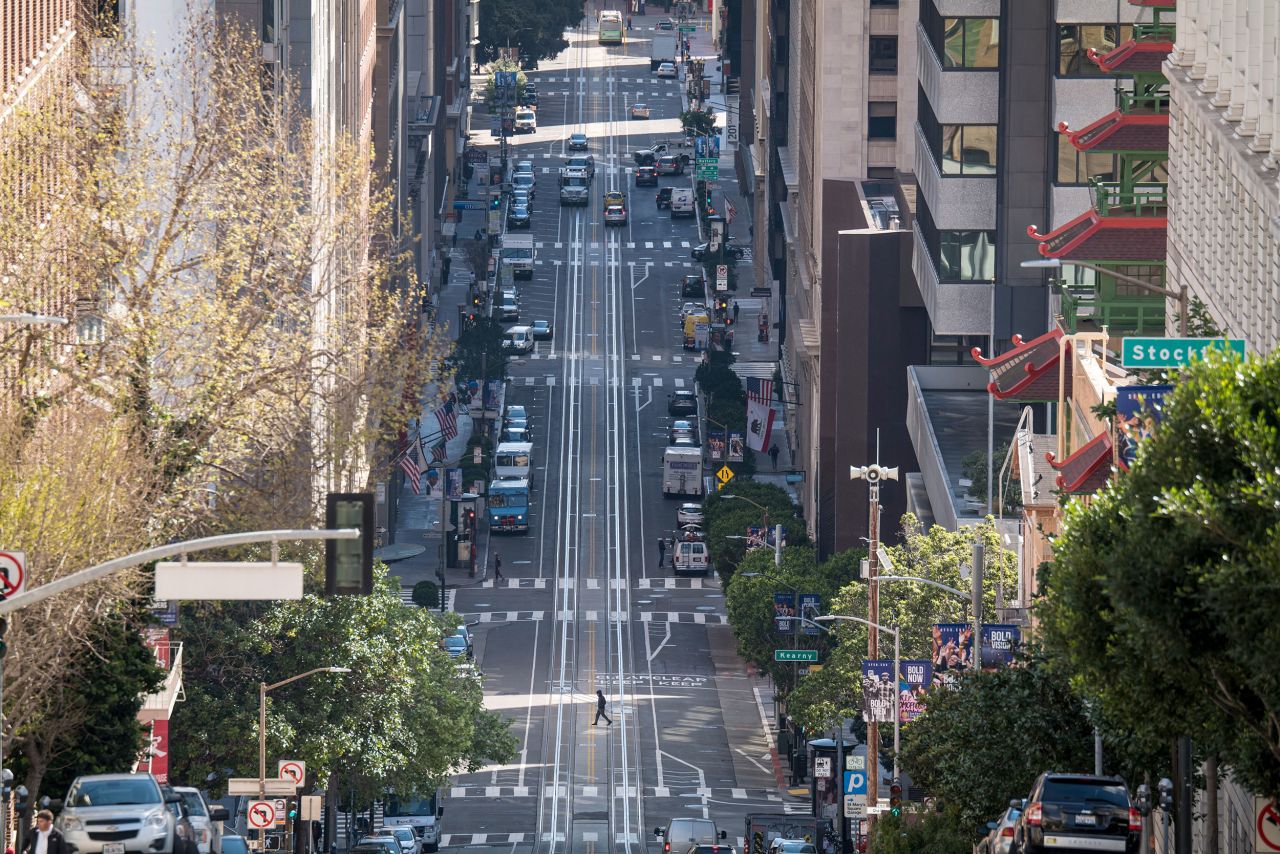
x: 1077, y: 812
x: 692, y: 287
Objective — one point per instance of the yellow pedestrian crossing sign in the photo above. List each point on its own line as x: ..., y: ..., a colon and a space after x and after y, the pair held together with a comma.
x: 725, y: 474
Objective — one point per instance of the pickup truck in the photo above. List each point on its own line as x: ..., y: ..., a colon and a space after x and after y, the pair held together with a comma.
x: 649, y: 156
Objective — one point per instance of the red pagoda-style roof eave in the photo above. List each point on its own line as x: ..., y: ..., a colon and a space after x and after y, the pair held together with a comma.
x: 1088, y: 468
x: 1022, y: 356
x: 1148, y: 132
x: 1020, y: 346
x: 1096, y: 238
x: 1132, y: 57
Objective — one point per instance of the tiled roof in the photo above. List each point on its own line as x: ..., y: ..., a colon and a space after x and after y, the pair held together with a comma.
x: 1119, y: 131
x: 1086, y: 470
x: 1090, y: 237
x: 1028, y: 371
x: 1132, y: 57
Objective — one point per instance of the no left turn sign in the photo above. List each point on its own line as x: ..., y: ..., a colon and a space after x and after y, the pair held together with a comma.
x: 292, y: 769
x: 13, y: 573
x: 261, y: 814
x: 1267, y: 826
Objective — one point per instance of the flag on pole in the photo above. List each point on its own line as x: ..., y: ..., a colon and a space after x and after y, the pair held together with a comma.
x: 729, y: 211
x: 409, y: 464
x: 438, y: 452
x: 447, y: 416
x: 759, y: 414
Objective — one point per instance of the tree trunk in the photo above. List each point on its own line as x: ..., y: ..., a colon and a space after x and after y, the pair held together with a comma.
x: 331, y: 813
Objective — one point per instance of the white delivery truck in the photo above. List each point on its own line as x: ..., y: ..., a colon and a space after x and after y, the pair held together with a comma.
x: 517, y: 254
x: 663, y: 49
x: 681, y: 201
x: 681, y: 471
x: 513, y: 460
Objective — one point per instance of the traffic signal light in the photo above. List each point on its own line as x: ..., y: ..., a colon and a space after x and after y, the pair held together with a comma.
x: 495, y: 203
x: 895, y: 799
x: 348, y: 564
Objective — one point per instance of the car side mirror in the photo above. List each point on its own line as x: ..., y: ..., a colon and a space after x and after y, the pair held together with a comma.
x: 218, y: 812
x: 173, y: 798
x: 724, y: 835
x: 439, y: 812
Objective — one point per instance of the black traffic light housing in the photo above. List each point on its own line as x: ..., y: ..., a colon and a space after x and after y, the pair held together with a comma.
x: 348, y: 564
x: 895, y: 799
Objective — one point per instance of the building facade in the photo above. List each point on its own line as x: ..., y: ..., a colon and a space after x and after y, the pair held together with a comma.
x: 1224, y: 164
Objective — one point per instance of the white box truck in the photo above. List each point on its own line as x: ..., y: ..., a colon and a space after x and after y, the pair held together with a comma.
x: 663, y: 49
x: 517, y: 254
x: 681, y: 471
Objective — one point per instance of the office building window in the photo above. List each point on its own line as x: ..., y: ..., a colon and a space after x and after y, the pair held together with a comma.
x: 967, y: 256
x: 884, y: 54
x: 968, y: 150
x: 882, y: 120
x: 1078, y: 167
x: 971, y: 43
x: 890, y: 4
x: 1075, y: 41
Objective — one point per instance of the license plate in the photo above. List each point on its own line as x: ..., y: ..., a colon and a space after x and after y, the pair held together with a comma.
x: 1087, y: 820
x: 113, y: 848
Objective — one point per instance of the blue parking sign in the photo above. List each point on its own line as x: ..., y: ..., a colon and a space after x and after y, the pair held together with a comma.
x: 855, y: 782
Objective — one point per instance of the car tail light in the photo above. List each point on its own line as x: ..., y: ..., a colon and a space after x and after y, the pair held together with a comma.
x: 1135, y: 819
x: 1032, y: 813
x: 1008, y: 831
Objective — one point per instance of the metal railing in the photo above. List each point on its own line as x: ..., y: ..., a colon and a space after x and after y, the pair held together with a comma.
x: 1110, y: 199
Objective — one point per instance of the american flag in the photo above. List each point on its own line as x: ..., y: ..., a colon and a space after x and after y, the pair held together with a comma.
x: 729, y: 211
x: 409, y: 463
x: 448, y: 418
x: 759, y: 390
x: 438, y: 452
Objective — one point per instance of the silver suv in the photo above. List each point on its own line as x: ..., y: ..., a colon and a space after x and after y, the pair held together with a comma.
x: 116, y: 814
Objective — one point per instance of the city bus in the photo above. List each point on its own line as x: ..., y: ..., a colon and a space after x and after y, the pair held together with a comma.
x: 611, y: 31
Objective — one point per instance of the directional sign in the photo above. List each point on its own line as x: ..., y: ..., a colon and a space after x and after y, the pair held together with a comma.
x: 855, y: 783
x: 853, y: 808
x: 1266, y: 826
x: 795, y: 655
x: 261, y: 814
x: 687, y: 29
x: 725, y: 474
x: 13, y: 573
x: 469, y: 205
x: 292, y: 769
x: 708, y: 169
x: 1172, y: 352
x: 250, y: 785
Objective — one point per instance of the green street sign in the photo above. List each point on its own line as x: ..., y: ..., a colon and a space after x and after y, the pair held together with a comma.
x: 795, y: 655
x: 708, y: 169
x: 1171, y: 352
x: 688, y: 29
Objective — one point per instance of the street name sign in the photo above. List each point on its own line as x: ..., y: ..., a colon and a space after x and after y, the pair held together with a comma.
x: 249, y: 786
x: 795, y: 655
x: 199, y: 580
x: 1171, y: 352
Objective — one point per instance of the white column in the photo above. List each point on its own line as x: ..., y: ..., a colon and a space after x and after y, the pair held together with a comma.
x: 1268, y: 77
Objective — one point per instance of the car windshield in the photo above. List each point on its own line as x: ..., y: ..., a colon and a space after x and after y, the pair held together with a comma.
x: 539, y: 324
x: 1084, y: 791
x: 515, y: 412
x: 455, y: 642
x: 235, y: 845
x: 523, y: 180
x: 195, y: 803
x: 119, y: 792
x: 404, y: 834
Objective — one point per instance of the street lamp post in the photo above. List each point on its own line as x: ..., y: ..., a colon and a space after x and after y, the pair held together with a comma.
x: 263, y: 688
x: 764, y: 511
x: 1181, y: 295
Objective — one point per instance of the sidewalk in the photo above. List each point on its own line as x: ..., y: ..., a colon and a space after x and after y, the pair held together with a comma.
x: 416, y: 549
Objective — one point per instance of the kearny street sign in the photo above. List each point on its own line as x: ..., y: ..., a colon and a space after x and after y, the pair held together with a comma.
x: 1171, y: 352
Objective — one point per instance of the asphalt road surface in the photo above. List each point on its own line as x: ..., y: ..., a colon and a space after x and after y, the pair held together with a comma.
x: 584, y: 605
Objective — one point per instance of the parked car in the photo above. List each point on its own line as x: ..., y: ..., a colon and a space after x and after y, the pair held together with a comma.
x: 383, y: 843
x: 515, y: 434
x: 1000, y: 838
x: 409, y: 843
x: 665, y: 24
x: 523, y: 198
x: 518, y: 424
x: 646, y: 176
x: 457, y: 647
x: 683, y: 427
x: 186, y: 837
x: 577, y: 142
x: 683, y: 832
x: 518, y: 216
x: 792, y: 846
x: 667, y: 69
x: 1077, y: 812
x: 202, y: 816
x: 516, y: 410
x: 132, y: 803
x: 524, y: 167
x: 524, y: 181
x: 542, y: 330
x: 670, y: 164
x: 682, y: 402
x: 639, y: 111
x: 664, y: 195
x: 689, y: 513
x: 510, y: 310
x: 692, y: 286
x: 731, y: 250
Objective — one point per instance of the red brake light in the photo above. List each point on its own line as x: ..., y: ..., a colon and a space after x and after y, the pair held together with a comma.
x: 1008, y: 831
x: 1032, y: 813
x: 1135, y: 819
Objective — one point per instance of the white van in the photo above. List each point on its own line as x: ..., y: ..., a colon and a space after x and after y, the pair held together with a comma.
x: 513, y: 460
x: 518, y: 338
x: 690, y: 557
x: 681, y: 201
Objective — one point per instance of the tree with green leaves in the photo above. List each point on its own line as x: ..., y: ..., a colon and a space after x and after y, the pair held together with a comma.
x: 930, y: 832
x: 1160, y: 601
x: 698, y: 122
x: 749, y: 603
x: 406, y: 715
x: 478, y: 353
x: 536, y: 29
x: 727, y: 519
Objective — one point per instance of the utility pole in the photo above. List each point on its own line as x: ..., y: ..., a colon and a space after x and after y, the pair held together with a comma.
x: 873, y: 474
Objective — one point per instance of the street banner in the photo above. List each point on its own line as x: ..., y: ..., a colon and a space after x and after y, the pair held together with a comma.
x: 878, y: 686
x: 951, y: 647
x: 453, y: 484
x: 759, y: 425
x: 735, y: 447
x: 915, y: 678
x: 810, y: 607
x: 715, y: 444
x: 435, y: 489
x: 757, y: 537
x: 1139, y: 408
x: 999, y: 644
x: 492, y: 394
x: 784, y: 608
